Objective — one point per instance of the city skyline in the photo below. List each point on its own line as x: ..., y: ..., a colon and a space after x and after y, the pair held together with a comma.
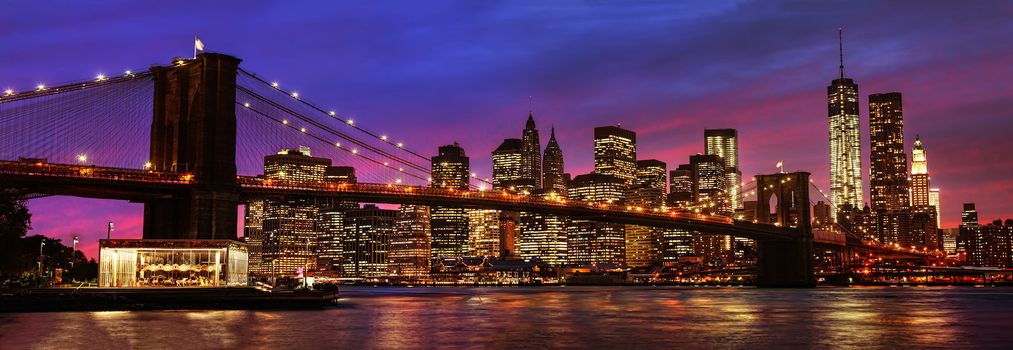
x: 960, y: 182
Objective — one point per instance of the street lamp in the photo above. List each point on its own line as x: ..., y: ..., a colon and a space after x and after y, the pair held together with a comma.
x: 42, y: 243
x: 73, y: 253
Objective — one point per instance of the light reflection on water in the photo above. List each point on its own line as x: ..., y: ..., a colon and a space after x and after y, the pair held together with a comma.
x: 552, y: 317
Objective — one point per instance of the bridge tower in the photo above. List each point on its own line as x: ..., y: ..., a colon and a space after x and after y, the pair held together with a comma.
x: 193, y: 132
x: 783, y: 199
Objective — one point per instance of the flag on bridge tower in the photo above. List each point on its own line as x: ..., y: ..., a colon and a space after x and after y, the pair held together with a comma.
x: 780, y: 166
x: 197, y: 45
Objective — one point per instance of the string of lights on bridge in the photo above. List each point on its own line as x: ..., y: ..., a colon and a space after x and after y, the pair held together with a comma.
x: 351, y: 123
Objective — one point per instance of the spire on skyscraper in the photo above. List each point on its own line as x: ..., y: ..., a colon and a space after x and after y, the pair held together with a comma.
x: 531, y: 121
x: 840, y: 42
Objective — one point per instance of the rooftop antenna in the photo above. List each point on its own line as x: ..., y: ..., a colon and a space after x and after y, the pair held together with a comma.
x: 531, y: 104
x: 840, y: 42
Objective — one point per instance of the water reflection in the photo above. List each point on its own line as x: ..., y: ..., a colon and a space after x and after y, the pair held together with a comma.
x: 554, y: 317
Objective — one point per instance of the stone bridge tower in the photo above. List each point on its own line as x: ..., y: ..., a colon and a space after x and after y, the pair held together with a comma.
x: 193, y: 131
x: 783, y: 199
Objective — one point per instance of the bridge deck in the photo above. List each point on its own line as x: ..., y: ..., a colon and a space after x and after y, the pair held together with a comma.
x: 139, y: 185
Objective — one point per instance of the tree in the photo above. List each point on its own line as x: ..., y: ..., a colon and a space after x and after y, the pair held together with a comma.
x: 15, y: 221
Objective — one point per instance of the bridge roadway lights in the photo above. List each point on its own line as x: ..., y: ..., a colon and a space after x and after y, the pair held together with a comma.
x: 785, y: 264
x: 193, y: 130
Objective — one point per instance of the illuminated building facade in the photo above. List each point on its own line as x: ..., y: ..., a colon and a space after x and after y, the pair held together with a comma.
x: 331, y: 224
x: 330, y: 246
x: 970, y: 233
x: 950, y: 241
x: 709, y: 189
x: 507, y: 161
x: 675, y: 243
x: 531, y: 154
x: 993, y: 246
x: 483, y: 232
x: 253, y: 235
x: 725, y: 143
x: 172, y: 263
x: 449, y: 226
x: 409, y: 243
x: 709, y: 184
x: 642, y: 242
x: 543, y: 236
x: 554, y: 177
x: 934, y: 202
x: 923, y: 227
x: 681, y: 180
x: 894, y: 226
x: 340, y: 174
x: 919, y: 175
x: 652, y: 173
x: 590, y: 242
x: 845, y: 141
x: 615, y: 153
x: 888, y: 161
x: 290, y: 226
x: 367, y: 240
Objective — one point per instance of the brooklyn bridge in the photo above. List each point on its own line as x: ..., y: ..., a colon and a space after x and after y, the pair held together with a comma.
x: 186, y: 139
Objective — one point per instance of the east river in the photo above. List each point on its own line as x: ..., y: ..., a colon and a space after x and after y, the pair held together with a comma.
x: 556, y: 317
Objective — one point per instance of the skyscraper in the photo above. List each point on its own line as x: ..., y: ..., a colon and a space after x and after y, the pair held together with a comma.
x: 615, y: 153
x: 253, y: 235
x: 543, y: 236
x: 681, y: 184
x: 483, y: 232
x: 367, y: 240
x: 934, y: 202
x: 590, y: 242
x: 330, y: 246
x: 449, y: 226
x: 709, y: 188
x: 331, y: 223
x: 531, y: 154
x: 508, y: 166
x: 969, y: 233
x: 553, y: 173
x: 290, y: 227
x: 888, y: 161
x: 725, y: 143
x: 409, y: 243
x: 652, y: 173
x: 994, y: 245
x: 709, y: 183
x: 845, y: 141
x: 643, y: 242
x: 919, y: 175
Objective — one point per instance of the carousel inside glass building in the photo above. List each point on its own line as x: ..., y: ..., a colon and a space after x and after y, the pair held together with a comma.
x: 172, y: 263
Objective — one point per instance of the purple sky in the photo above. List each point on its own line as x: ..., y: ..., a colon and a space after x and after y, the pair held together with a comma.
x: 433, y: 73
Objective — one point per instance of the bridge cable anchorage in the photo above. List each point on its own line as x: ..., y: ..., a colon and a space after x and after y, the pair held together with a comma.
x: 341, y: 147
x: 331, y: 114
x: 329, y: 130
